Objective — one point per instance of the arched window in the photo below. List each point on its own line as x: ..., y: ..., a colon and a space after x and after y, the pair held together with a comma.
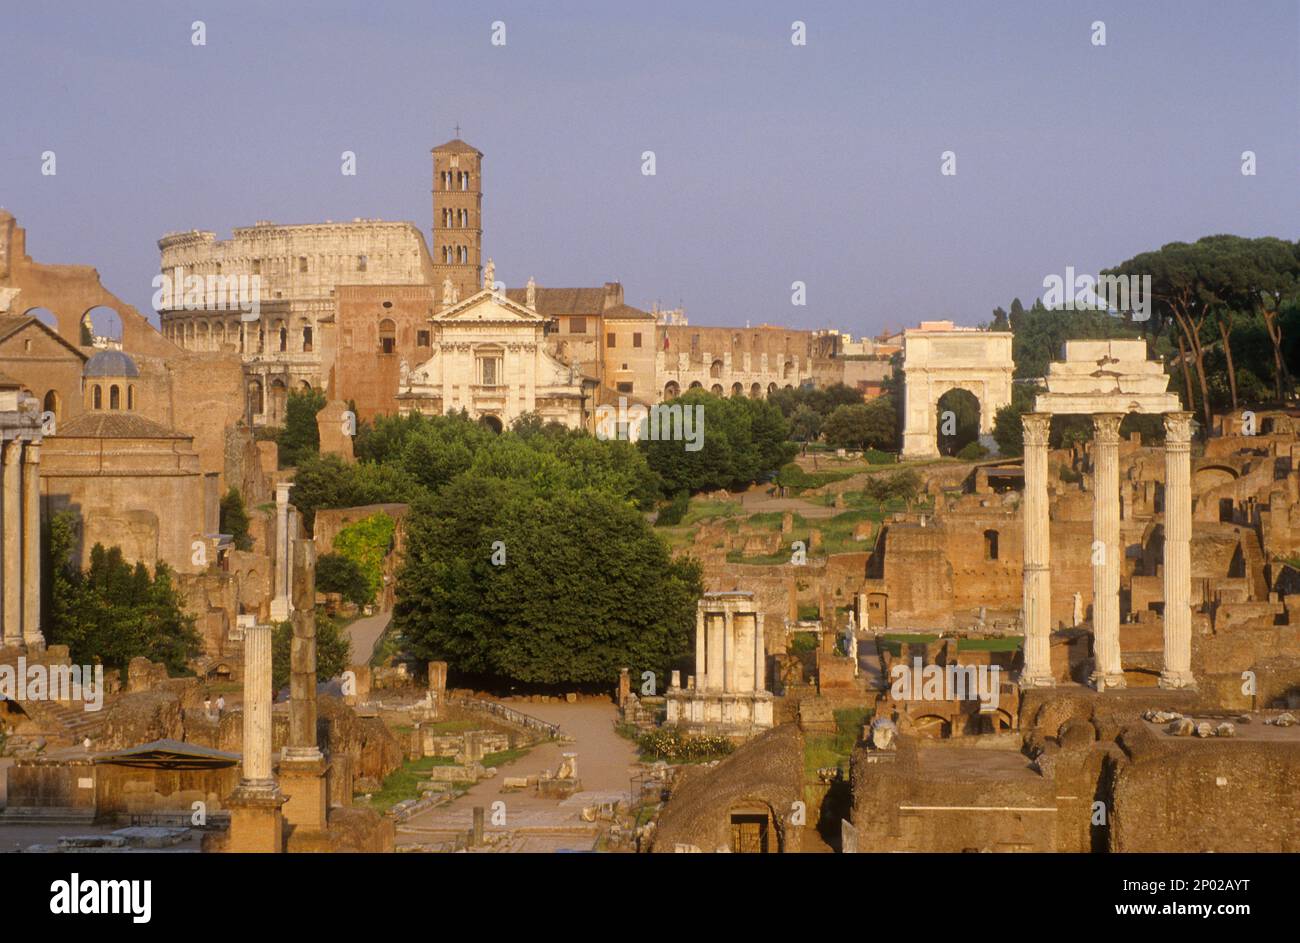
x: 130, y: 396
x: 284, y: 340
x: 114, y: 397
x: 672, y: 390
x: 97, y: 397
x: 387, y: 336
x: 51, y: 404
x: 255, y: 401
x: 715, y: 369
x: 306, y: 340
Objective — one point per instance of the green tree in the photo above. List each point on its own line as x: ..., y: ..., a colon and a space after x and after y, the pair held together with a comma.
x: 741, y: 441
x: 336, y: 573
x: 299, y: 440
x: 113, y: 611
x: 333, y: 651
x: 366, y: 543
x: 585, y: 587
x: 863, y: 425
x: 805, y: 424
x: 234, y: 519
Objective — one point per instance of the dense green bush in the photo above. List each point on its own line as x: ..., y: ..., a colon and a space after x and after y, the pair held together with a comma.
x: 336, y: 573
x: 671, y: 514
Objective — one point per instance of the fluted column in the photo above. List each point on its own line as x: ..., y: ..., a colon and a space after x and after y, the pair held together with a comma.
x: 280, y: 603
x: 728, y: 650
x: 257, y: 707
x: 32, y: 636
x: 701, y: 664
x: 1106, y: 552
x: 11, y: 544
x: 1037, y: 578
x: 760, y: 654
x: 1177, y: 671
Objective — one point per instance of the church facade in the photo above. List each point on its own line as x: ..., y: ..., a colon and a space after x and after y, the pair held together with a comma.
x: 489, y: 357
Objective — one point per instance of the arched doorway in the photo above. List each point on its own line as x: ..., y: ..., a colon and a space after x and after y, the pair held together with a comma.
x: 957, y: 419
x: 672, y: 390
x: 493, y: 423
x: 105, y: 326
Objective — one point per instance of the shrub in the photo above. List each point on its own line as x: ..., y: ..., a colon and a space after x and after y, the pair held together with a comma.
x: 336, y: 573
x: 972, y: 452
x: 672, y: 513
x: 670, y: 743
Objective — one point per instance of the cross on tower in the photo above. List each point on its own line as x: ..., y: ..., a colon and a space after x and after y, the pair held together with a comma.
x: 458, y: 129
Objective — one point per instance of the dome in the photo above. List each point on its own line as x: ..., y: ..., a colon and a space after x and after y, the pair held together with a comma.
x: 110, y: 363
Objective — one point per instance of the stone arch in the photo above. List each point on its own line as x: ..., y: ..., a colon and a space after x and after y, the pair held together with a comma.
x: 52, y: 403
x: 737, y: 389
x: 939, y: 357
x: 756, y: 391
x: 932, y: 727
x: 105, y: 322
x: 959, y: 401
x: 715, y: 369
x: 771, y: 388
x: 672, y: 390
x: 697, y: 385
x: 492, y: 422
x: 716, y: 389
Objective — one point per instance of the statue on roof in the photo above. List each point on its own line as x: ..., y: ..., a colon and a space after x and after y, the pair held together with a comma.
x: 531, y: 293
x: 448, y: 292
x: 489, y: 275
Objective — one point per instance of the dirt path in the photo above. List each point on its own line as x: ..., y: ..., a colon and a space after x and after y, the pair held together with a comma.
x: 606, y: 763
x: 364, y: 633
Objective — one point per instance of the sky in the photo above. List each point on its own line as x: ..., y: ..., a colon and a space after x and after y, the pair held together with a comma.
x: 774, y: 162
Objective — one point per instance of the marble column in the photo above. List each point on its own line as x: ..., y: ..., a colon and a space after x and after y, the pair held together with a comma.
x: 1177, y: 672
x: 760, y: 654
x: 256, y: 819
x: 1106, y: 552
x: 303, y: 767
x: 1037, y: 579
x: 280, y: 603
x: 11, y: 543
x: 257, y: 708
x: 716, y: 629
x: 701, y: 651
x: 32, y: 636
x: 728, y: 650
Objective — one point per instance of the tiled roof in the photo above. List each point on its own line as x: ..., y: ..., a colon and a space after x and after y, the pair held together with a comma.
x: 568, y: 301
x: 115, y: 425
x: 628, y: 313
x: 457, y: 146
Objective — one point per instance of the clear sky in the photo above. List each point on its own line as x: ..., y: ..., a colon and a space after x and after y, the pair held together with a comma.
x: 775, y: 162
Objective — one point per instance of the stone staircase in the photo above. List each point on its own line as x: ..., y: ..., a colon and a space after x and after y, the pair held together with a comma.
x: 63, y: 723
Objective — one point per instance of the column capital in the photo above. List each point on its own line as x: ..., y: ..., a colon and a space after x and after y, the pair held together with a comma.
x: 1106, y: 427
x: 32, y: 454
x: 1037, y: 427
x: 1178, y: 429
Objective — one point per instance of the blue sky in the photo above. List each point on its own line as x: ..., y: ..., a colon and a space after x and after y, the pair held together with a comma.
x: 775, y: 163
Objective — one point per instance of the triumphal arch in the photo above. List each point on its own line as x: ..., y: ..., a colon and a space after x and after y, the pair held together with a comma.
x: 1107, y: 380
x: 938, y: 357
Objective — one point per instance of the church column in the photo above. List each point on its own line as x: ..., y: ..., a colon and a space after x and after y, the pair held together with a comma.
x: 760, y: 654
x: 32, y: 637
x: 11, y: 544
x: 1106, y: 552
x: 1177, y: 672
x: 1037, y: 578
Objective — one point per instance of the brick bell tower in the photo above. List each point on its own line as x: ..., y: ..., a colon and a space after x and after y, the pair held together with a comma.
x: 458, y: 216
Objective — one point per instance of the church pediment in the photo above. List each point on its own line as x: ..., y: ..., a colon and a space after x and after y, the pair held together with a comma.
x: 488, y: 307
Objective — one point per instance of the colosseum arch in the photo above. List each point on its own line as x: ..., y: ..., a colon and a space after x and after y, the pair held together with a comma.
x: 938, y: 357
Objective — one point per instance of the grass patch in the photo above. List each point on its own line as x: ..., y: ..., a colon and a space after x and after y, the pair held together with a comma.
x: 504, y: 757
x: 402, y: 783
x: 826, y: 750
